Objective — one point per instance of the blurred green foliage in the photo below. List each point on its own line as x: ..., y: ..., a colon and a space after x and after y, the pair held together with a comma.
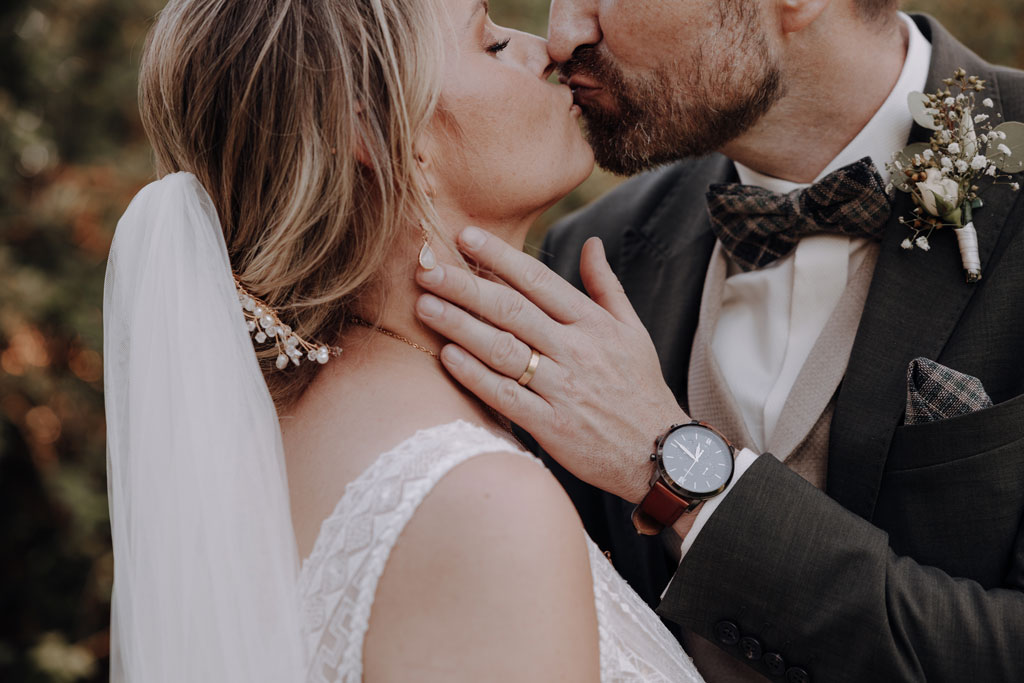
x: 72, y: 154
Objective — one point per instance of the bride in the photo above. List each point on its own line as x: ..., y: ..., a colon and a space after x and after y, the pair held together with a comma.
x: 313, y: 155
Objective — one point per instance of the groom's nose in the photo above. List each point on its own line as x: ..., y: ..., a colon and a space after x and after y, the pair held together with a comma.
x: 572, y: 23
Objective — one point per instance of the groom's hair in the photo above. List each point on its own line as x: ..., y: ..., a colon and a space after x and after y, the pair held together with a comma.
x: 299, y: 119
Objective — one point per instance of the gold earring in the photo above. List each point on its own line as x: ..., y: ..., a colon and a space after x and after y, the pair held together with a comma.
x: 427, y: 259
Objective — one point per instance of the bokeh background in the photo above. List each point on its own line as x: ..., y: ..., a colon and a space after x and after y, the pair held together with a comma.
x: 72, y: 154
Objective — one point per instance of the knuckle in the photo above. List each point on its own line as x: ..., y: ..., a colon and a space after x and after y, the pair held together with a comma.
x: 536, y: 276
x: 570, y: 389
x: 506, y: 396
x: 459, y: 285
x: 561, y: 425
x: 503, y: 350
x: 509, y: 305
x: 579, y: 356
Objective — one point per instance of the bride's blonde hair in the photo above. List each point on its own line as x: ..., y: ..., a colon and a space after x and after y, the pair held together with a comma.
x: 299, y: 118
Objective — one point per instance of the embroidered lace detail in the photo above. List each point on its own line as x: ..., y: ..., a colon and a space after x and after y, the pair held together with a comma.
x: 338, y: 581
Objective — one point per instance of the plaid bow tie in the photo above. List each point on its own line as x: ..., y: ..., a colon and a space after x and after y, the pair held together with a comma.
x: 757, y: 226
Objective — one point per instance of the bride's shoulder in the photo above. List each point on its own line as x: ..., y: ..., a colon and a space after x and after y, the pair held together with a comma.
x: 495, y: 561
x: 501, y: 492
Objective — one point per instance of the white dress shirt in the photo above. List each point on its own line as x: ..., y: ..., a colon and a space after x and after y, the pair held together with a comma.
x: 771, y: 318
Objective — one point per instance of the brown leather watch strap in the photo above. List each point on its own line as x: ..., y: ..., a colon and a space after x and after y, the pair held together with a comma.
x: 659, y: 508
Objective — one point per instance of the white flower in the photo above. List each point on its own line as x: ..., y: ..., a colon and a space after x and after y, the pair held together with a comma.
x: 939, y: 195
x: 961, y: 166
x: 979, y: 162
x: 991, y: 170
x: 949, y: 102
x: 922, y: 243
x: 947, y: 163
x: 987, y: 101
x: 928, y: 154
x: 944, y: 136
x: 954, y: 148
x: 907, y: 244
x: 1004, y: 149
x: 980, y: 118
x: 1014, y: 186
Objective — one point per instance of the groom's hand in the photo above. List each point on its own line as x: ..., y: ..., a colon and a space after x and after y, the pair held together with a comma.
x: 597, y: 399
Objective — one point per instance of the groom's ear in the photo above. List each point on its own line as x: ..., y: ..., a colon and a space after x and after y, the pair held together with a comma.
x: 799, y: 14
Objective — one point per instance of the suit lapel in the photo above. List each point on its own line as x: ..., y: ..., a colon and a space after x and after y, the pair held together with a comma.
x: 663, y: 263
x: 913, y: 305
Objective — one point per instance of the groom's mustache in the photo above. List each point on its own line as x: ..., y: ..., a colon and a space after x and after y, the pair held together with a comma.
x: 589, y: 71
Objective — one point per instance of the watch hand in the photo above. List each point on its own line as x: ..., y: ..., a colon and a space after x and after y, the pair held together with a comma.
x: 685, y: 449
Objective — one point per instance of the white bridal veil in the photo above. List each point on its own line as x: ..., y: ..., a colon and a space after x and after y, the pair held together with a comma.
x: 205, y: 560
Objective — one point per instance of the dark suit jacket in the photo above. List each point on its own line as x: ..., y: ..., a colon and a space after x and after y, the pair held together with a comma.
x: 911, y: 565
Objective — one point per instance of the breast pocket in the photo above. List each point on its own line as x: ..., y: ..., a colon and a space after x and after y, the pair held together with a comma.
x: 952, y: 495
x: 956, y: 438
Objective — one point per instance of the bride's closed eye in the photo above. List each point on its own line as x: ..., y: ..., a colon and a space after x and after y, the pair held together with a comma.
x: 495, y: 48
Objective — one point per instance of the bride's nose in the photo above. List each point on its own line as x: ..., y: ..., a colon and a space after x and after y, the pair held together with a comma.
x: 535, y: 54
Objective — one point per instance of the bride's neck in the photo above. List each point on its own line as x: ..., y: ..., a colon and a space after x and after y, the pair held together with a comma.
x: 393, y: 306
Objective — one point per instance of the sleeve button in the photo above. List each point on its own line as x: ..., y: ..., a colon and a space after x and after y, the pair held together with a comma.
x: 775, y: 664
x: 795, y: 674
x: 727, y: 632
x: 750, y: 647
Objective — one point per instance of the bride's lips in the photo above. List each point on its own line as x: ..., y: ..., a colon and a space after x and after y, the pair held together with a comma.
x: 583, y: 88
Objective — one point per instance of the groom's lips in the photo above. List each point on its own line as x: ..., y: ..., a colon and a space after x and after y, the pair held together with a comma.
x: 583, y: 88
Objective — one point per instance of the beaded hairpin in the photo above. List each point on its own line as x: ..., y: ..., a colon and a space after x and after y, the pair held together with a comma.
x: 263, y: 323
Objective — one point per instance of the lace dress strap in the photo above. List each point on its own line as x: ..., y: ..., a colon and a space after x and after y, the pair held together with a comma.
x: 338, y: 581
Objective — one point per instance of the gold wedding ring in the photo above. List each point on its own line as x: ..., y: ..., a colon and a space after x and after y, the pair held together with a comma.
x: 528, y: 373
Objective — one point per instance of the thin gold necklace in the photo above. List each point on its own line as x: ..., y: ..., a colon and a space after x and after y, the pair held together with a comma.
x: 394, y: 335
x: 498, y: 418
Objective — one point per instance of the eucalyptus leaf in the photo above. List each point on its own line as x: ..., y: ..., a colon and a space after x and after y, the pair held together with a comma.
x: 1014, y: 161
x: 906, y: 159
x: 922, y: 113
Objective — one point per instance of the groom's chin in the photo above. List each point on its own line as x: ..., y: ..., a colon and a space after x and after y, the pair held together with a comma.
x: 617, y: 150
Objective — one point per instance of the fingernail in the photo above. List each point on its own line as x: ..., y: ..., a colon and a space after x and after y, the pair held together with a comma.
x: 473, y: 237
x: 434, y: 276
x: 429, y: 306
x: 453, y: 354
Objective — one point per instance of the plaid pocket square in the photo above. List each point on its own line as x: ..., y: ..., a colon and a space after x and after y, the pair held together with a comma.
x: 935, y: 392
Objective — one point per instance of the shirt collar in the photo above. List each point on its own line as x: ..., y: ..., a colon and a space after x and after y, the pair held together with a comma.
x: 887, y: 131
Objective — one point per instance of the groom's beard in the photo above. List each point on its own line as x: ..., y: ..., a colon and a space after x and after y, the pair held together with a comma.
x: 669, y: 115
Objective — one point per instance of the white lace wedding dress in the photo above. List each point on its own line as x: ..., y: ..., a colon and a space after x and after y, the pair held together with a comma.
x: 338, y: 581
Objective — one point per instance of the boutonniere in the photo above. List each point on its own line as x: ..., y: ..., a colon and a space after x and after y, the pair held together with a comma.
x: 944, y: 176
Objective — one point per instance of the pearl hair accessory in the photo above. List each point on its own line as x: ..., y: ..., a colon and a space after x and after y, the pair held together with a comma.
x: 263, y: 323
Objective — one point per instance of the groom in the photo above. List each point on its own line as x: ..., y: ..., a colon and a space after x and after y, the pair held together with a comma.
x: 872, y: 529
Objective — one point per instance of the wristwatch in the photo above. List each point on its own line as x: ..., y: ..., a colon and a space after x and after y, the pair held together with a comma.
x: 694, y: 463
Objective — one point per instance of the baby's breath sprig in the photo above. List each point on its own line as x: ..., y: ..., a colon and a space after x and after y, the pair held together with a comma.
x: 943, y: 176
x: 264, y: 324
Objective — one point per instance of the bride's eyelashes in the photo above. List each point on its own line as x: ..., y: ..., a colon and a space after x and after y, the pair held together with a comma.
x: 495, y: 48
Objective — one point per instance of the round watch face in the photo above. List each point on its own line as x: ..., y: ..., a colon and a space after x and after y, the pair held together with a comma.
x: 697, y: 459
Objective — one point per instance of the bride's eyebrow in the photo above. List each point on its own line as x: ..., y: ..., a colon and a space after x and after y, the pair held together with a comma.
x: 484, y: 5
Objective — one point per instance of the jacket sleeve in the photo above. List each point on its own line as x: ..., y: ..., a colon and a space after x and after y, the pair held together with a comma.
x: 818, y: 586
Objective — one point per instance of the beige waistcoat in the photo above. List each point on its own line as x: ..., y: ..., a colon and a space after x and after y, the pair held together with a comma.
x: 801, y: 437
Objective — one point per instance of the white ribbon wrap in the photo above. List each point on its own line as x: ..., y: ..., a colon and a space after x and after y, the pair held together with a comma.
x: 967, y: 238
